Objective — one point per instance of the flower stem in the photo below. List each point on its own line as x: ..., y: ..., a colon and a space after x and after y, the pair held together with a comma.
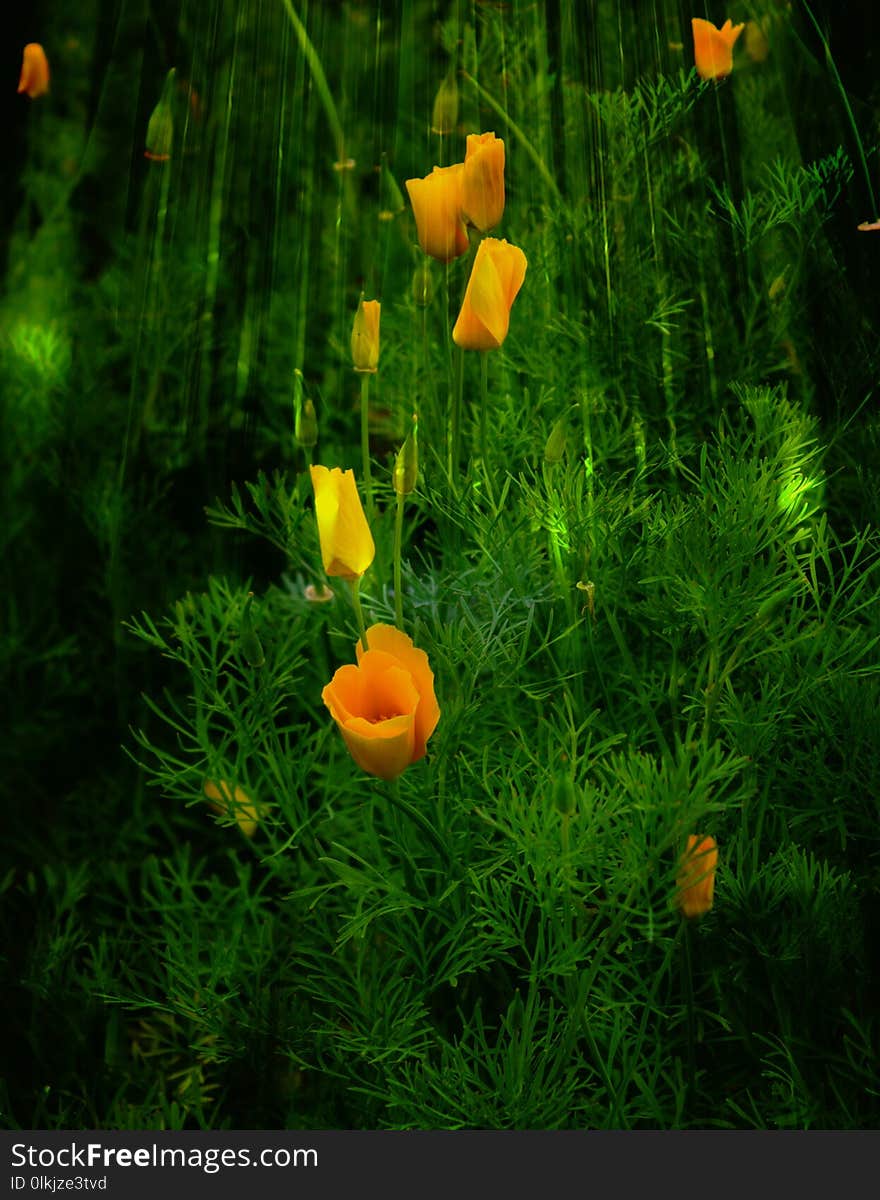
x: 358, y: 611
x: 484, y: 402
x: 455, y: 431
x: 398, y: 541
x: 365, y: 443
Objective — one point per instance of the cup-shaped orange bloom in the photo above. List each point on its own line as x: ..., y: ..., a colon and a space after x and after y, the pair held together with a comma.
x: 696, y: 877
x: 34, y: 79
x: 385, y: 706
x: 713, y: 47
x: 436, y: 202
x: 347, y: 546
x: 498, y: 274
x: 482, y: 183
x: 237, y: 803
x: 365, y: 336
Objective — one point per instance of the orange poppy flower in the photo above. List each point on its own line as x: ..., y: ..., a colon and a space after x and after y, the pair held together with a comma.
x: 34, y: 78
x: 385, y: 706
x: 347, y: 546
x: 498, y: 274
x: 482, y: 184
x: 238, y: 803
x: 436, y: 203
x: 696, y: 878
x: 365, y: 336
x: 713, y: 47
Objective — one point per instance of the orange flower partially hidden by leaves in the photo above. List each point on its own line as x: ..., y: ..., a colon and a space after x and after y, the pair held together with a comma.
x: 436, y: 203
x: 347, y: 546
x: 365, y: 336
x: 713, y: 47
x: 482, y: 185
x: 696, y: 878
x: 385, y: 706
x: 34, y: 78
x: 498, y: 274
x: 869, y: 226
x: 236, y: 803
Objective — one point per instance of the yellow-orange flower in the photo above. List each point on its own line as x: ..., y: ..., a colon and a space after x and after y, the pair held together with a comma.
x: 385, y: 706
x: 498, y: 274
x: 713, y: 47
x: 696, y: 878
x: 482, y: 182
x: 238, y: 803
x: 347, y: 546
x: 34, y: 79
x: 365, y: 336
x: 436, y: 202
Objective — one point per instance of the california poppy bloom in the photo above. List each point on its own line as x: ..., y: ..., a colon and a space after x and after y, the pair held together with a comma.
x: 238, y: 803
x: 482, y: 184
x: 436, y: 203
x: 385, y: 706
x: 365, y: 336
x: 498, y: 274
x: 713, y: 47
x: 347, y: 546
x: 696, y: 878
x: 34, y: 78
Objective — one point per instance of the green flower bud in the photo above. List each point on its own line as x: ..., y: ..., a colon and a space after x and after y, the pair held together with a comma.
x: 250, y: 644
x: 445, y: 114
x: 554, y: 448
x: 406, y: 465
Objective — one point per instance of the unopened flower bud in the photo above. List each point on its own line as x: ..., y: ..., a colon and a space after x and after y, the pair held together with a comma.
x: 305, y: 428
x: 406, y: 465
x: 445, y: 114
x: 250, y: 644
x: 554, y: 448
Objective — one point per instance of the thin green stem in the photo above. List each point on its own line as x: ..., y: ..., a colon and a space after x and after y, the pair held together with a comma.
x: 847, y: 108
x: 484, y: 404
x: 358, y: 611
x: 398, y: 543
x: 365, y: 444
x: 320, y: 79
x: 455, y: 420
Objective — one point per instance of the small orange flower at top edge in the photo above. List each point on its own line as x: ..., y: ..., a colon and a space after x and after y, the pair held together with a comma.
x: 347, y: 546
x: 696, y: 877
x: 436, y: 204
x: 713, y: 47
x: 385, y: 706
x: 482, y: 186
x: 34, y: 79
x: 237, y: 803
x: 365, y: 336
x: 498, y: 273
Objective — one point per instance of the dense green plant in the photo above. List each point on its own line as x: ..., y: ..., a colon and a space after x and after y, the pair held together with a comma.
x: 647, y: 591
